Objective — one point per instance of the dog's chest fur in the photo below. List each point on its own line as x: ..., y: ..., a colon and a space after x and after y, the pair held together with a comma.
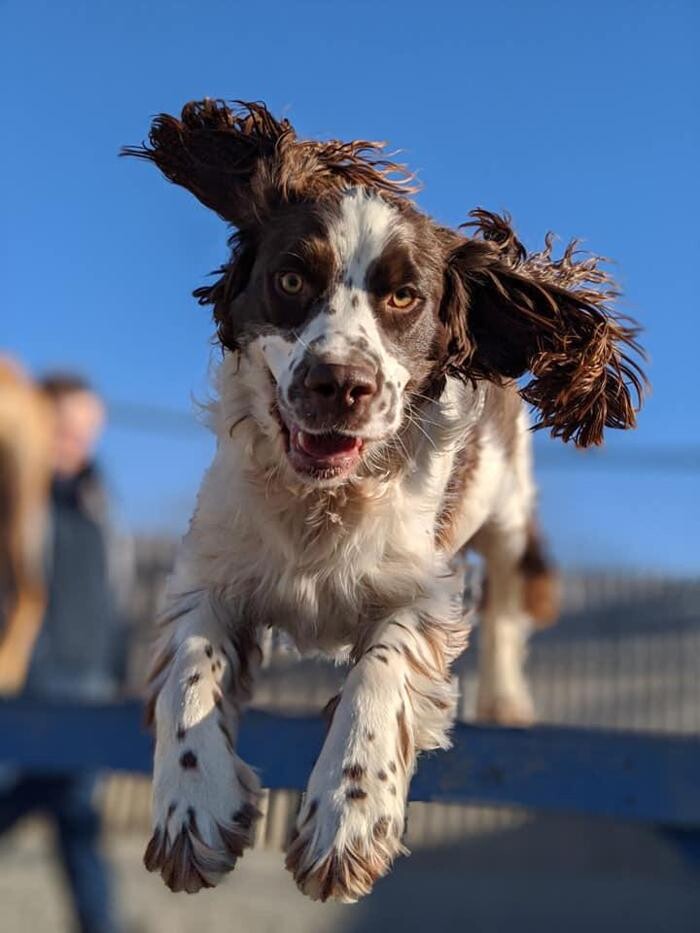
x: 318, y: 563
x: 318, y: 566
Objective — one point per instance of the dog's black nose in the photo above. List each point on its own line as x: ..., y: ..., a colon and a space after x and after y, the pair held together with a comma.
x: 348, y: 387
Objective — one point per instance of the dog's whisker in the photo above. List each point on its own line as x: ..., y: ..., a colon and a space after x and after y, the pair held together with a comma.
x: 300, y: 339
x: 431, y: 399
x: 422, y: 430
x: 426, y: 420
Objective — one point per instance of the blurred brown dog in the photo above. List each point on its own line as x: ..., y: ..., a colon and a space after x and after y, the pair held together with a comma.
x: 25, y: 469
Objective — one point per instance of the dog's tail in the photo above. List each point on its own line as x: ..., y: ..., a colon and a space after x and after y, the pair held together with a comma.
x: 541, y: 582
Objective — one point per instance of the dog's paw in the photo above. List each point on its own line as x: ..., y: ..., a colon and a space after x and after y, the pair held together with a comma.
x: 348, y: 832
x: 204, y: 817
x: 514, y: 709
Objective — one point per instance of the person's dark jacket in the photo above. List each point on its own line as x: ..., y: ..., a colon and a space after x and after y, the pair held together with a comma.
x: 79, y: 651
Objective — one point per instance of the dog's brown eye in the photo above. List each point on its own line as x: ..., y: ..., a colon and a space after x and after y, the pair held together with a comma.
x: 290, y: 283
x: 403, y: 298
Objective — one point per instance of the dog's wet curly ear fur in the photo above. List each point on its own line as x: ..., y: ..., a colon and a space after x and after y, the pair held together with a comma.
x: 223, y: 156
x: 508, y: 312
x: 240, y: 161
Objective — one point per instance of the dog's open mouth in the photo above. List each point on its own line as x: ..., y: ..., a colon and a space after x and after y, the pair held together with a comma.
x: 328, y: 455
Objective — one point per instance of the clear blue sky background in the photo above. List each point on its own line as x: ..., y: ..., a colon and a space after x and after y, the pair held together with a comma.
x: 579, y: 117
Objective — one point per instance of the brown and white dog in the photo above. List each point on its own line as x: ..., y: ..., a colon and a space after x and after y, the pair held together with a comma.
x: 369, y: 428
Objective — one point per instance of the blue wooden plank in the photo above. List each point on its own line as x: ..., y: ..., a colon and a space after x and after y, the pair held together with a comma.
x: 62, y: 737
x: 648, y: 778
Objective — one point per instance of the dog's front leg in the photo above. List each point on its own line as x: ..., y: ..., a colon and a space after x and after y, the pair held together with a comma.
x: 398, y: 700
x: 204, y: 796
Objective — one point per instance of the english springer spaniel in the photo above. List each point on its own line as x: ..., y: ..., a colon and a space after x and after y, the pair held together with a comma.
x: 369, y: 428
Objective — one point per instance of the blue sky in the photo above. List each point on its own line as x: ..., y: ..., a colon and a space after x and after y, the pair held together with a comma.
x: 580, y: 118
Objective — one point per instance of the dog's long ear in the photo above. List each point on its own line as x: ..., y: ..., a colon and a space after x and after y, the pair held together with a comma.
x: 240, y: 161
x: 508, y: 313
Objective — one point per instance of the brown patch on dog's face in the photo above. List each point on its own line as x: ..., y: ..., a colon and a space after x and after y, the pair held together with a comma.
x: 294, y: 243
x: 412, y: 259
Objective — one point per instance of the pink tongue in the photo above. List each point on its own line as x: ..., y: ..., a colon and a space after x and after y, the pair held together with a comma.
x: 327, y: 445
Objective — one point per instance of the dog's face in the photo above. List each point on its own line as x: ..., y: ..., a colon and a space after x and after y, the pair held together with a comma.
x: 355, y: 306
x: 342, y: 302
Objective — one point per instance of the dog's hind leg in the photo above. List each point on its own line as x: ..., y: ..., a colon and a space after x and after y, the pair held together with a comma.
x: 503, y: 694
x: 398, y: 700
x: 204, y: 796
x: 521, y: 591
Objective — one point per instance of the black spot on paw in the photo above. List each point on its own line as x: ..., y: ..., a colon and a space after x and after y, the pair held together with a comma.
x: 246, y: 816
x: 188, y: 760
x: 354, y: 772
x: 392, y: 767
x: 381, y: 828
x: 209, y: 651
x: 382, y: 775
x: 193, y: 679
x: 355, y: 793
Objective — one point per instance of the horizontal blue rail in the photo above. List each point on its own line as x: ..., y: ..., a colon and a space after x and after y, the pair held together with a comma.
x: 633, y: 776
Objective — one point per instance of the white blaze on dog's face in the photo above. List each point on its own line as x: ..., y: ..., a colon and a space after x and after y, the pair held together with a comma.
x: 342, y: 306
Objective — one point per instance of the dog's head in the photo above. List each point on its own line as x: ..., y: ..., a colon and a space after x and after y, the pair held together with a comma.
x: 358, y: 306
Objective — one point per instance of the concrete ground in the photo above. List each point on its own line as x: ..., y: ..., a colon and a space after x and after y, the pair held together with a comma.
x: 533, y: 875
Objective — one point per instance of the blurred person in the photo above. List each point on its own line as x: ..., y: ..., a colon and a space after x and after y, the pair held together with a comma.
x: 78, y: 653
